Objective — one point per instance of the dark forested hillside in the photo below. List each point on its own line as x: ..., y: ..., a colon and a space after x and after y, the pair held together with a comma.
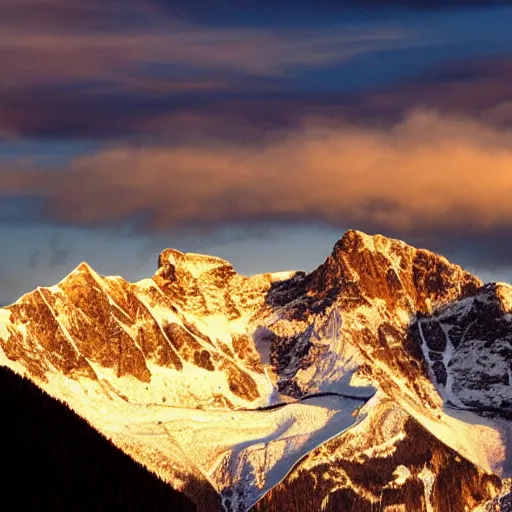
x: 53, y: 460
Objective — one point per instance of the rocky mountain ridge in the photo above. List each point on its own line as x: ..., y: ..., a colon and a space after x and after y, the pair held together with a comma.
x: 381, y: 347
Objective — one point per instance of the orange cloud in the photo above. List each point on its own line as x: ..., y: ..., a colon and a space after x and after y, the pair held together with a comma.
x: 427, y: 173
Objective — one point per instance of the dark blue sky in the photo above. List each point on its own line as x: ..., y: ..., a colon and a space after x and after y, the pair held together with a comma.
x: 255, y: 130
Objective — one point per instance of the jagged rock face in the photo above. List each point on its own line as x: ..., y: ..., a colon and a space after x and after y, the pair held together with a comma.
x: 198, y: 283
x: 175, y: 368
x: 468, y: 346
x: 379, y: 285
x: 369, y: 268
x: 104, y: 328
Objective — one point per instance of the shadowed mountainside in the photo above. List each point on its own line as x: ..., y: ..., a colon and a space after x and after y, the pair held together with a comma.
x: 53, y: 460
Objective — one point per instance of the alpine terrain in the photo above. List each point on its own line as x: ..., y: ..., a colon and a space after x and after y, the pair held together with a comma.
x: 381, y: 381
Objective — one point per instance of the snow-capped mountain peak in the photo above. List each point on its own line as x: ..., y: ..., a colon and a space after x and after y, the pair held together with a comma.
x: 201, y: 373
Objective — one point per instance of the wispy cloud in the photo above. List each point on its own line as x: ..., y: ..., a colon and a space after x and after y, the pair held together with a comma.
x: 47, y: 57
x: 55, y: 71
x: 232, y: 106
x: 129, y: 64
x: 110, y: 68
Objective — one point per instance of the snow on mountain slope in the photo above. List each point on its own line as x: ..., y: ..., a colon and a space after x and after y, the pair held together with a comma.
x: 178, y: 369
x: 241, y: 453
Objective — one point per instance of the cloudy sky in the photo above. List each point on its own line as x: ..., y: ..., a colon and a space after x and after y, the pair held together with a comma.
x: 254, y: 130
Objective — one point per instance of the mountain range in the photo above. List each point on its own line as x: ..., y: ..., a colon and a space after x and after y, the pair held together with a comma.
x: 380, y: 381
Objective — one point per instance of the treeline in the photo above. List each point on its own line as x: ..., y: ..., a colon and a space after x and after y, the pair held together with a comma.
x: 458, y: 484
x: 53, y: 460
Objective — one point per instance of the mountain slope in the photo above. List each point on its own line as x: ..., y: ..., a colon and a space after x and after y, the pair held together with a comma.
x: 241, y: 382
